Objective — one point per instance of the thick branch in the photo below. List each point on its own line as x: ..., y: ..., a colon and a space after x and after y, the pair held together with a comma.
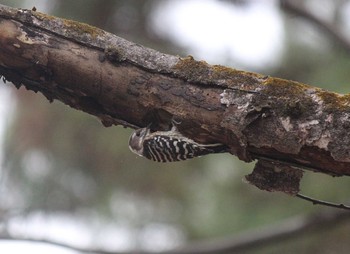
x: 124, y: 83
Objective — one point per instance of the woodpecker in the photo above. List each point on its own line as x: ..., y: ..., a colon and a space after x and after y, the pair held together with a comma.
x: 169, y: 146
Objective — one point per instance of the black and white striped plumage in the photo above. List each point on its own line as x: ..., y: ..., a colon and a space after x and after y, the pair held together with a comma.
x: 169, y: 146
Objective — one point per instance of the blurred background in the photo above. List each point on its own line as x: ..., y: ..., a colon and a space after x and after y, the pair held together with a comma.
x: 67, y: 179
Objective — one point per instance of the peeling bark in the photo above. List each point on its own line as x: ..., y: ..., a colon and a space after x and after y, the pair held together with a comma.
x: 256, y: 116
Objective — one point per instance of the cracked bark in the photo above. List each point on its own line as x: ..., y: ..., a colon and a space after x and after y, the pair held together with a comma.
x: 286, y: 125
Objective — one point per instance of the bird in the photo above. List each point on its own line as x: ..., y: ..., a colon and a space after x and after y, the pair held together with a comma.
x: 169, y: 146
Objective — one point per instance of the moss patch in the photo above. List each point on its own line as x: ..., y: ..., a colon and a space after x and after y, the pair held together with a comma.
x: 200, y: 71
x: 284, y: 88
x: 334, y: 102
x: 78, y: 27
x: 83, y: 28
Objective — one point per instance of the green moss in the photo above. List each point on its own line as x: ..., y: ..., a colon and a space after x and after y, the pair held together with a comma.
x: 333, y: 101
x: 282, y: 88
x: 42, y: 16
x: 329, y: 98
x: 200, y: 71
x: 78, y: 27
x: 191, y: 69
x: 83, y: 28
x: 223, y: 71
x: 346, y: 99
x: 290, y: 98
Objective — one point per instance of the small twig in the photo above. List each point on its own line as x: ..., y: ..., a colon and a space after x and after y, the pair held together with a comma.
x: 58, y: 244
x: 321, y: 202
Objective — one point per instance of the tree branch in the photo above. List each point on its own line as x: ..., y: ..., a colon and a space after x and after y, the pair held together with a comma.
x: 288, y: 229
x: 58, y: 244
x: 120, y: 82
x: 321, y: 202
x: 329, y: 28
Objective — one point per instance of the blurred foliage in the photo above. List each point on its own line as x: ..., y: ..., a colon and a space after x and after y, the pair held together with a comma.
x: 61, y: 160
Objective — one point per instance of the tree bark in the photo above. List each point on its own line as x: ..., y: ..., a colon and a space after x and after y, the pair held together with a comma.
x: 280, y: 122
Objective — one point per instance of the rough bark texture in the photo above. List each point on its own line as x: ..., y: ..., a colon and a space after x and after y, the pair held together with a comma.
x: 256, y: 116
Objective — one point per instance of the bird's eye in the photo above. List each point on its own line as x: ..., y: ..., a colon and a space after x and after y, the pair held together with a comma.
x: 138, y: 134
